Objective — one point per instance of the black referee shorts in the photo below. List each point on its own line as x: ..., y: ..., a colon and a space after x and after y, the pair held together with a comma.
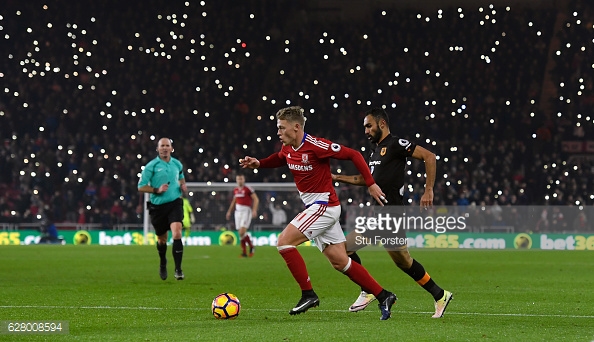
x: 162, y: 215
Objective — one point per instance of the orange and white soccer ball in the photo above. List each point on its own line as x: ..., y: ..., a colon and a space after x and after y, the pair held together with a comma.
x: 226, y: 306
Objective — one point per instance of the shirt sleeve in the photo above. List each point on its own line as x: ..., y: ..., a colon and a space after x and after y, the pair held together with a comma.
x: 273, y: 160
x: 359, y: 161
x: 338, y: 151
x: 181, y: 170
x: 146, y: 175
x: 403, y: 148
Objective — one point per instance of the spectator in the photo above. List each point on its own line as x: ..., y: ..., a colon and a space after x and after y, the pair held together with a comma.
x: 82, y: 217
x: 279, y: 216
x: 116, y: 211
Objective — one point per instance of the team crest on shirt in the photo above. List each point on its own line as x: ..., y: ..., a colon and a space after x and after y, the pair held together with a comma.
x: 383, y: 151
x: 305, y: 158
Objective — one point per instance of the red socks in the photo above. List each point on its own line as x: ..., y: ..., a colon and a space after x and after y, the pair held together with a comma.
x: 359, y: 275
x: 244, y: 240
x: 243, y: 246
x: 297, y: 267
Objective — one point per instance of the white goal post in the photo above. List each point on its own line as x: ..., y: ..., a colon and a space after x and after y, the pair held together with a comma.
x: 213, y: 187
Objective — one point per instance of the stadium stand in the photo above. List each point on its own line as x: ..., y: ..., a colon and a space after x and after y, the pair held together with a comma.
x: 504, y: 96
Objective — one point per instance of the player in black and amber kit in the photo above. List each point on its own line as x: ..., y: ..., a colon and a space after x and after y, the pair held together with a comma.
x: 387, y: 164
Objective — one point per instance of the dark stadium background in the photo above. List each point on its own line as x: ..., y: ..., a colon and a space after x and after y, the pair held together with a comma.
x: 504, y: 96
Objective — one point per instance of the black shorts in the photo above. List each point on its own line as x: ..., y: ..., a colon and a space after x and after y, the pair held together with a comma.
x: 393, y: 241
x: 162, y: 215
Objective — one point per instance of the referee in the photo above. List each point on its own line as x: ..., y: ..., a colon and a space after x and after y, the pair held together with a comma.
x: 163, y: 178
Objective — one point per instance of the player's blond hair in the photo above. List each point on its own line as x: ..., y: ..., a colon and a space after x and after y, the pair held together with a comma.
x: 292, y: 114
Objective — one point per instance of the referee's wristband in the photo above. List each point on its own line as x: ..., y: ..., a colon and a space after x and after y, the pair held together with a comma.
x: 155, y: 190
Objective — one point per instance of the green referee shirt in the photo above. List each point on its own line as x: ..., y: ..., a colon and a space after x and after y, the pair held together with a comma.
x: 158, y: 172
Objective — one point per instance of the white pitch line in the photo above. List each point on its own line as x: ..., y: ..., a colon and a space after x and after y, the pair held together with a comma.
x: 282, y: 310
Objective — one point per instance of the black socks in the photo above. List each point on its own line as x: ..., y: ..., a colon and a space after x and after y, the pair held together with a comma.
x: 178, y: 252
x: 162, y: 249
x: 308, y: 293
x: 382, y: 296
x: 417, y: 272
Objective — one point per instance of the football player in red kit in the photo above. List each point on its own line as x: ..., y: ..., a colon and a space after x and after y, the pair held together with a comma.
x: 308, y: 159
x: 245, y: 202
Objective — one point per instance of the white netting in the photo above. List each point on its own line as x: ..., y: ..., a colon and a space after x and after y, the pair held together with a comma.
x: 211, y: 201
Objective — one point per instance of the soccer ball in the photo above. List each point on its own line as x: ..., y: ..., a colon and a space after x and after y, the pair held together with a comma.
x: 225, y: 306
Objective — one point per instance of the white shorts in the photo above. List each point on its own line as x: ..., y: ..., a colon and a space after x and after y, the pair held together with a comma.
x: 321, y: 224
x: 243, y: 218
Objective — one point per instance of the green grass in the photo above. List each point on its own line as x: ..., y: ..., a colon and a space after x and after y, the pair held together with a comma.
x: 115, y: 294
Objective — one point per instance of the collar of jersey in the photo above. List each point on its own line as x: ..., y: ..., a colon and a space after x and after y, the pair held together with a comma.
x: 164, y: 162
x: 302, y: 141
x: 386, y: 139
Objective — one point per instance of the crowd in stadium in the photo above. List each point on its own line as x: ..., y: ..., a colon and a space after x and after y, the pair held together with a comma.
x: 88, y: 89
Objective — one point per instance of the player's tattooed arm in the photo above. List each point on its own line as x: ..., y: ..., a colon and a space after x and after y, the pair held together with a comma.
x: 354, y: 180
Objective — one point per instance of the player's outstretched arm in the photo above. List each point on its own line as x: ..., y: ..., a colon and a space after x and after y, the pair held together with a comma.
x: 353, y: 180
x: 272, y: 161
x: 374, y: 190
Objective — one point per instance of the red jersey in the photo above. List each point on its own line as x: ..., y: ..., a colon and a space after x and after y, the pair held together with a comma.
x: 310, y: 165
x: 243, y: 196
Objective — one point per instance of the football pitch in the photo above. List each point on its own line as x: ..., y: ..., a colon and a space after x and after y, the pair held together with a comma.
x: 114, y: 293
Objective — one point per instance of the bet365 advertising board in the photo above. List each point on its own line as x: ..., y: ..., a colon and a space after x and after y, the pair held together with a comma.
x: 263, y: 238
